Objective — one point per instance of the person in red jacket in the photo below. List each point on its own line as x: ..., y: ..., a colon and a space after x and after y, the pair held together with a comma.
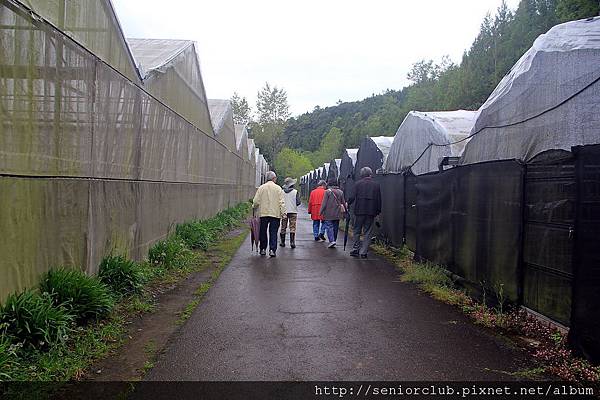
x: 314, y: 207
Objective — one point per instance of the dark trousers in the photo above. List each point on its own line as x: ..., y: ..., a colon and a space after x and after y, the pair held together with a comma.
x: 272, y: 224
x: 362, y: 223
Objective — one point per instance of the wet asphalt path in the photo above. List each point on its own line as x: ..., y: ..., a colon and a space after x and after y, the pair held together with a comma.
x: 314, y: 313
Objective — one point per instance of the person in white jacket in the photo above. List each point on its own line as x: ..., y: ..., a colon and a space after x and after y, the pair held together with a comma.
x: 292, y: 201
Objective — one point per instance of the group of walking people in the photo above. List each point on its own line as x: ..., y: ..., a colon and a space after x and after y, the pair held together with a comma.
x: 327, y: 205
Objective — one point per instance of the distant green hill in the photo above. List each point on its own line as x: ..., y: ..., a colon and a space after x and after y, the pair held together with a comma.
x: 502, y: 40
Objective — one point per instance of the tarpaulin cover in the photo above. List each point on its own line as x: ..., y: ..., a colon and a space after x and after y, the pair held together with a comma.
x: 392, y: 208
x: 549, y: 222
x: 410, y: 210
x: 334, y: 168
x: 251, y: 151
x: 76, y: 222
x: 221, y: 116
x: 172, y: 74
x: 549, y: 100
x: 325, y: 171
x: 372, y: 153
x: 421, y: 129
x: 85, y: 153
x: 450, y: 222
x: 347, y: 171
x: 435, y: 194
x: 94, y: 25
x: 241, y: 140
x: 487, y: 224
x: 585, y: 319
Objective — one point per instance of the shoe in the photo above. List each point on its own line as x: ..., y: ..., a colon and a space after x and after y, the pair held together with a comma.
x: 282, y: 239
x: 363, y: 256
x: 293, y: 240
x: 263, y: 252
x: 354, y: 253
x: 272, y: 253
x: 331, y: 245
x: 322, y: 237
x: 317, y: 239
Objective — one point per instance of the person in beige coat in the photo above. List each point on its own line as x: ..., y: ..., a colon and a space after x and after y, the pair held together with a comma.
x: 270, y: 202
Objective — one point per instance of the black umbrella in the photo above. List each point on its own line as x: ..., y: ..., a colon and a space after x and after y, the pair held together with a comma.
x: 346, y: 230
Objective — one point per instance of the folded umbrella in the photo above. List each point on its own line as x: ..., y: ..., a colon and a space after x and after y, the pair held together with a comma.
x: 254, y: 230
x: 347, y: 218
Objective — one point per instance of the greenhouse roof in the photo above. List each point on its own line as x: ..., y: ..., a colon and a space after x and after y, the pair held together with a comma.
x: 155, y: 54
x: 220, y: 111
x: 548, y: 100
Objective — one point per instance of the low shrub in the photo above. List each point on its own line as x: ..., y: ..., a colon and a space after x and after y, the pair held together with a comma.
x: 86, y: 296
x: 121, y: 275
x: 426, y: 274
x: 195, y: 234
x: 170, y: 253
x: 35, y: 320
x: 8, y: 355
x: 202, y: 233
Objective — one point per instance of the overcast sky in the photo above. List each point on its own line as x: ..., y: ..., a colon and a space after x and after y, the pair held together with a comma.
x: 318, y: 51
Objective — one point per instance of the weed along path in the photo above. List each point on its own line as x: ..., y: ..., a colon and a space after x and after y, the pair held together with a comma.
x: 314, y: 313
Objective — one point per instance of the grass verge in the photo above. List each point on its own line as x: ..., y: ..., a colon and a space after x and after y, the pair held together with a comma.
x: 547, y: 345
x: 222, y: 254
x: 89, y: 342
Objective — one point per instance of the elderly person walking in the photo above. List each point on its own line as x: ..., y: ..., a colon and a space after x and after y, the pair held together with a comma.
x: 269, y: 199
x: 292, y: 201
x: 314, y: 206
x: 332, y: 210
x: 367, y: 205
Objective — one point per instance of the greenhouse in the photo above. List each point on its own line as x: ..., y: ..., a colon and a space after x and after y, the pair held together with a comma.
x: 334, y: 168
x: 325, y: 171
x: 171, y: 72
x: 550, y: 100
x: 221, y: 117
x: 251, y: 151
x: 372, y: 152
x: 346, y: 171
x: 241, y: 141
x: 425, y: 138
x: 99, y: 141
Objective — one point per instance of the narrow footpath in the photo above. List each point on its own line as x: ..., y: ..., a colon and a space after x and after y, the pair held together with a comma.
x: 314, y: 313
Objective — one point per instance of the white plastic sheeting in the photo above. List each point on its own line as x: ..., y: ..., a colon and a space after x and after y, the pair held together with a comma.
x: 156, y: 54
x: 171, y: 72
x: 352, y: 153
x: 241, y: 140
x: 384, y: 143
x: 419, y: 131
x: 251, y: 151
x: 550, y: 100
x: 221, y: 117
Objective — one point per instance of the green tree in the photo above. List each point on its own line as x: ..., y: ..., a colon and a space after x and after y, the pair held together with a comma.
x: 331, y: 147
x: 568, y: 10
x: 241, y: 109
x: 272, y: 105
x: 273, y: 112
x: 292, y: 163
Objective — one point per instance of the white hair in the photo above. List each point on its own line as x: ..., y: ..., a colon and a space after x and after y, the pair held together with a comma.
x: 366, y: 171
x: 270, y: 175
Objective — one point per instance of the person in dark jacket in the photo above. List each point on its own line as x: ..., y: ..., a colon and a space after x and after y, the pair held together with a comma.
x: 332, y: 210
x: 367, y: 205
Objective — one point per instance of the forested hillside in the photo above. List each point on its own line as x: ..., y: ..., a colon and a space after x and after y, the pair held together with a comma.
x: 503, y: 38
